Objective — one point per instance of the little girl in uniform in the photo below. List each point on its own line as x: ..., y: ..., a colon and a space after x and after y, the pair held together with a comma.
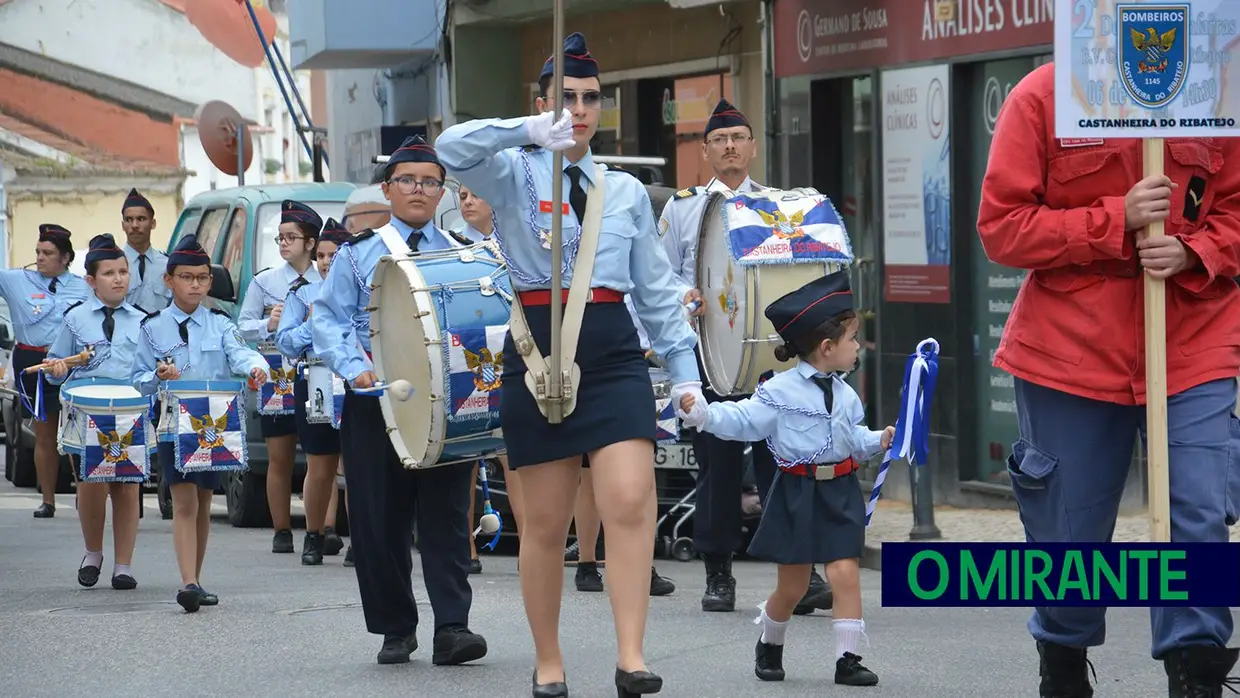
x: 814, y: 424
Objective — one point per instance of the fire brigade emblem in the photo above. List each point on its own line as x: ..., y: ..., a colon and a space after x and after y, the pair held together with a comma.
x: 1154, y: 52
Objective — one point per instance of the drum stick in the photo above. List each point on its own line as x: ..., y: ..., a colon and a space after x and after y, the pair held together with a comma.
x: 555, y: 407
x: 80, y: 359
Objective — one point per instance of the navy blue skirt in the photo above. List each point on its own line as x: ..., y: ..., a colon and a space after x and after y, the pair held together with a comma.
x: 807, y: 521
x: 615, y: 401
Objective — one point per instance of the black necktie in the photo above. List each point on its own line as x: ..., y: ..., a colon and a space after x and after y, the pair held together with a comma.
x: 142, y: 267
x: 299, y: 282
x: 183, y: 327
x: 824, y: 382
x: 414, y: 239
x: 108, y: 323
x: 51, y: 288
x: 577, y: 195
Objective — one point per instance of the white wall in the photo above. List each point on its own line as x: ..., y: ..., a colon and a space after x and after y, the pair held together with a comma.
x: 354, y: 117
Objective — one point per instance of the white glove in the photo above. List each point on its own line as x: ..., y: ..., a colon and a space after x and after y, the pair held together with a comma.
x: 546, y: 132
x: 695, y: 417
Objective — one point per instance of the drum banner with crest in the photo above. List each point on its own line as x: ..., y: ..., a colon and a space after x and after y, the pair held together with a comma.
x: 211, y: 433
x: 275, y: 397
x: 117, y: 448
x: 777, y: 227
x: 666, y: 426
x: 473, y: 366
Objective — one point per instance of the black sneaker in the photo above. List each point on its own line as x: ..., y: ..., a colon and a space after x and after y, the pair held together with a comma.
x: 282, y: 541
x: 475, y: 566
x: 850, y: 672
x: 1064, y: 671
x: 397, y: 648
x: 332, y: 543
x: 588, y: 578
x: 660, y: 586
x: 768, y: 661
x: 817, y: 597
x: 348, y: 557
x: 457, y: 645
x: 312, y: 549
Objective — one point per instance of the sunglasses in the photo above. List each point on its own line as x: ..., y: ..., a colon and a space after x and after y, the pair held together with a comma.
x: 591, y: 99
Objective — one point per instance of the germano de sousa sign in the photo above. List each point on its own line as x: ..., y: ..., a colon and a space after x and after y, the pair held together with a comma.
x: 823, y: 36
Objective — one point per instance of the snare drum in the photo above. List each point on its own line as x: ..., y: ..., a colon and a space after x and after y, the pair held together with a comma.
x: 275, y: 397
x: 753, y: 248
x: 205, y: 422
x: 666, y: 425
x: 438, y: 321
x: 106, y: 424
x: 326, y: 394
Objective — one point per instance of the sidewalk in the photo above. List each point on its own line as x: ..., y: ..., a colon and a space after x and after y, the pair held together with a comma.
x: 893, y: 520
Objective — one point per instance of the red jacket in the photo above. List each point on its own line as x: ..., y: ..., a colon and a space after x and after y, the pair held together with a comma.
x: 1056, y: 208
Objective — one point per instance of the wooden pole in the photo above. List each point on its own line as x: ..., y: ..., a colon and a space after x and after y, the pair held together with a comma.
x: 555, y: 386
x: 1156, y: 377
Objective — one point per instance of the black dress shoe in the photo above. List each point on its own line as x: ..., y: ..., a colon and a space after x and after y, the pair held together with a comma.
x: 88, y: 575
x: 397, y: 648
x: 630, y: 684
x: 850, y: 672
x: 817, y: 597
x: 660, y: 586
x: 45, y: 511
x: 189, y: 598
x: 312, y: 549
x: 206, y: 598
x: 768, y: 661
x: 348, y: 557
x: 124, y: 582
x: 332, y: 543
x: 587, y: 577
x: 559, y: 689
x: 455, y: 644
x: 475, y: 566
x: 282, y: 541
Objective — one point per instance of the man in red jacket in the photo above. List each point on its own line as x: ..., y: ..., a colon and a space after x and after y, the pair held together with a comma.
x: 1074, y: 213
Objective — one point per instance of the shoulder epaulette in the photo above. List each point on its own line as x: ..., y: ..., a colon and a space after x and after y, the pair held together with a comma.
x: 217, y: 311
x: 140, y: 309
x: 261, y: 271
x: 685, y: 193
x: 529, y: 148
x: 616, y: 168
x: 459, y: 237
x: 71, y: 307
x: 149, y: 316
x: 364, y: 235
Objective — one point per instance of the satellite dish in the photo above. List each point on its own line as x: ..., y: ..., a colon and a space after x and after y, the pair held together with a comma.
x: 218, y: 126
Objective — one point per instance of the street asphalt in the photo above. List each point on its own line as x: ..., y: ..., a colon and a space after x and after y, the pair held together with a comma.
x: 286, y: 630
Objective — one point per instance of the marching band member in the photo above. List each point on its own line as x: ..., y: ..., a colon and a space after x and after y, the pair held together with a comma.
x: 815, y: 510
x: 109, y: 324
x: 259, y: 318
x: 146, y: 290
x: 728, y: 145
x: 611, y: 423
x: 1075, y: 214
x: 384, y: 497
x: 203, y: 344
x: 37, y: 300
x: 321, y: 442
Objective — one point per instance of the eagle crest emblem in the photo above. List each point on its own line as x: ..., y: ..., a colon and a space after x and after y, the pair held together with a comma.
x: 282, y: 380
x: 1154, y: 60
x: 210, y: 431
x: 115, y: 445
x: 1154, y: 47
x: 727, y: 298
x: 784, y: 227
x: 486, y: 368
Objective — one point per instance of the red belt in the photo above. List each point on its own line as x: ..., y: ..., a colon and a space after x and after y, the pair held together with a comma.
x: 841, y: 469
x: 30, y: 348
x: 595, y: 295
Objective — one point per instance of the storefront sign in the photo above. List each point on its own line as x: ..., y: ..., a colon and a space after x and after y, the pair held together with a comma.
x: 1143, y: 69
x: 824, y: 36
x: 916, y: 184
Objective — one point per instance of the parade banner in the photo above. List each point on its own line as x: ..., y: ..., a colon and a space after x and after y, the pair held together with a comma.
x: 1144, y: 69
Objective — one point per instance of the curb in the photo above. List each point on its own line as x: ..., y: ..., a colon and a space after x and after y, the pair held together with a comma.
x: 872, y: 558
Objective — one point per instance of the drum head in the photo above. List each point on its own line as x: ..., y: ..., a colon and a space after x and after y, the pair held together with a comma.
x: 401, y: 322
x: 722, y: 330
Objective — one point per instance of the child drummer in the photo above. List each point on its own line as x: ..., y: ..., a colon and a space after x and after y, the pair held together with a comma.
x: 107, y: 326
x: 814, y: 511
x: 189, y: 341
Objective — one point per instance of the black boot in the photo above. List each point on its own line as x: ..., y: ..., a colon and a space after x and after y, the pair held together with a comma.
x: 720, y: 596
x: 312, y: 549
x: 1200, y: 672
x: 817, y: 597
x: 1065, y: 672
x: 768, y: 661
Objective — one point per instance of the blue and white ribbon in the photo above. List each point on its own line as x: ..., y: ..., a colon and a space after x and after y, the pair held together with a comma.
x: 912, y: 438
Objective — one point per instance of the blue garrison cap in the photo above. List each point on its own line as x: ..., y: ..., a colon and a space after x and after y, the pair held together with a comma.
x: 334, y: 233
x: 578, y: 63
x: 297, y: 212
x: 102, y: 247
x: 136, y: 200
x: 188, y: 253
x: 414, y: 149
x: 798, y: 313
x: 725, y: 116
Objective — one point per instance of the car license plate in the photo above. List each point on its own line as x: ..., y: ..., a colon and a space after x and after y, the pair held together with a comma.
x: 675, y: 457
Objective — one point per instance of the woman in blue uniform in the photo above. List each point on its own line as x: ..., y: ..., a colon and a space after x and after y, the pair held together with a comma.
x: 612, y: 422
x: 259, y: 318
x: 37, y: 299
x: 814, y: 511
x: 321, y: 442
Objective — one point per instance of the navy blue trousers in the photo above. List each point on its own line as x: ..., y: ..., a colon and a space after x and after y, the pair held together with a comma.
x: 1068, y: 471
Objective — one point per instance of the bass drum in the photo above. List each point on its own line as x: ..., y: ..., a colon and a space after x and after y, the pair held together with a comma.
x: 737, y: 342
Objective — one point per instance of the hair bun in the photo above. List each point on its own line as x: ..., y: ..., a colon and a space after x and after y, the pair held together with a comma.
x: 785, y: 352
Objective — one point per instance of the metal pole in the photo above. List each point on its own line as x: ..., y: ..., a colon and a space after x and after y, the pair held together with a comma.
x: 241, y: 131
x: 271, y: 62
x: 921, y: 489
x: 555, y: 405
x: 292, y: 83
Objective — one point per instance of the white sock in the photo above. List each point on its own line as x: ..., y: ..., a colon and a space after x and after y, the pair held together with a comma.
x: 848, y: 635
x: 93, y: 559
x: 118, y: 570
x: 773, y: 631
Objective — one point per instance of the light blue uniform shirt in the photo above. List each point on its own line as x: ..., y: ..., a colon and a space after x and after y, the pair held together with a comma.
x: 789, y: 411
x: 294, y: 336
x: 340, y: 323
x: 37, y: 313
x: 486, y: 156
x: 473, y: 233
x: 83, y: 327
x: 268, y: 289
x: 214, y: 351
x: 148, y: 292
x: 680, y: 227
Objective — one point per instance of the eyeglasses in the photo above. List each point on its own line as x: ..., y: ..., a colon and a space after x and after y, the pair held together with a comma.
x: 290, y: 239
x: 191, y: 279
x: 722, y: 141
x: 408, y: 185
x: 590, y: 99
